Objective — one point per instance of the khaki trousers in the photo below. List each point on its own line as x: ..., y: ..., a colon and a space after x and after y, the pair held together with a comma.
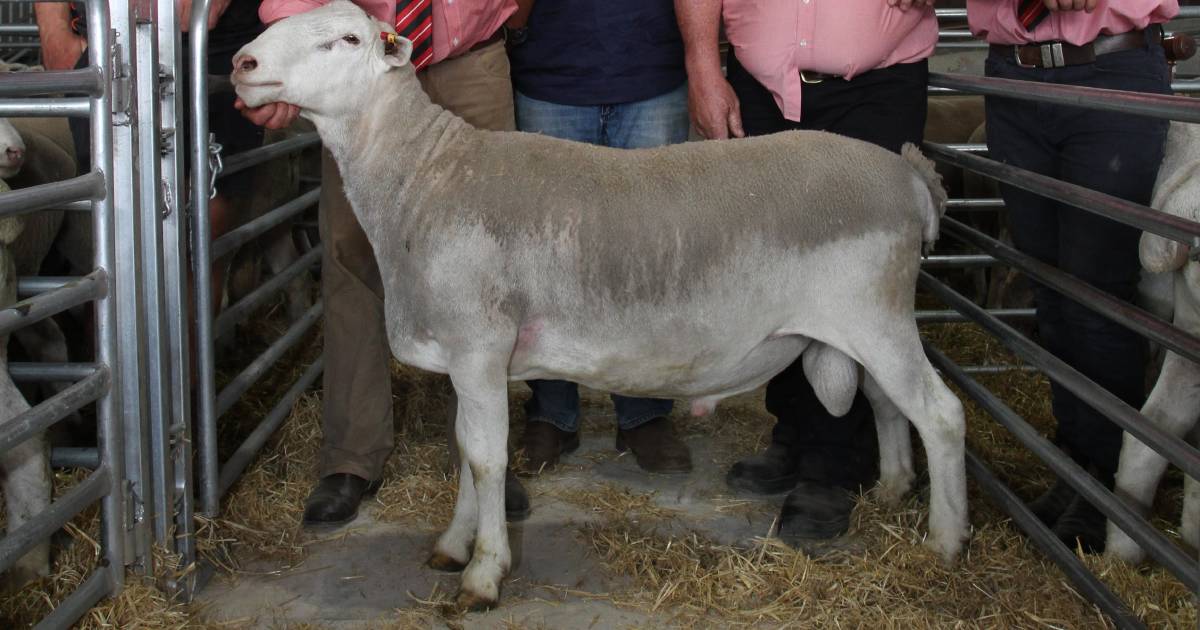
x: 357, y: 407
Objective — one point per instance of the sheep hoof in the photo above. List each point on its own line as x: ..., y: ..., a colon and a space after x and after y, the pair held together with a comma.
x: 472, y: 602
x: 441, y: 562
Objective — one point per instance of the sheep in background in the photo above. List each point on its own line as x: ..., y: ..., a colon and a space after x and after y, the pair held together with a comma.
x: 1174, y: 403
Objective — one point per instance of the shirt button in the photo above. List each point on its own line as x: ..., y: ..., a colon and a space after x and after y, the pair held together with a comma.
x: 803, y: 42
x: 455, y: 42
x: 452, y: 1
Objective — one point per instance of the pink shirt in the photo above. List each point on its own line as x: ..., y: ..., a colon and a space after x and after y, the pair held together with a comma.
x: 776, y: 39
x: 996, y: 21
x: 457, y: 24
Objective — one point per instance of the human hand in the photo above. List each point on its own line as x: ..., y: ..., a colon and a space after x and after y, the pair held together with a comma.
x: 1071, y: 5
x: 216, y: 8
x: 905, y: 5
x: 271, y: 115
x: 714, y: 108
x: 62, y: 50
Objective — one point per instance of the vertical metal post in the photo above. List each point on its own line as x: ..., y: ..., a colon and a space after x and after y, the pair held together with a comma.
x: 178, y: 486
x: 202, y: 261
x: 130, y: 329
x: 108, y: 407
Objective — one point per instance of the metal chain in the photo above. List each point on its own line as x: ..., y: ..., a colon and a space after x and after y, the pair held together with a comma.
x: 215, y: 165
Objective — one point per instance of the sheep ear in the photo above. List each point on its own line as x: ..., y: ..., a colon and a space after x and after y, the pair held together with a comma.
x: 396, y: 49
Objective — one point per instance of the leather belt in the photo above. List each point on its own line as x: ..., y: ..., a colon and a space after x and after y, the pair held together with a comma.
x: 1061, y: 54
x: 495, y: 37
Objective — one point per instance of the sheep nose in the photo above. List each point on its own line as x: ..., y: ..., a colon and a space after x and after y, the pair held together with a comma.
x: 245, y: 63
x: 14, y: 155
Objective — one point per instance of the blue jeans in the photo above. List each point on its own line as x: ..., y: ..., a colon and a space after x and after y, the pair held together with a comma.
x: 638, y: 125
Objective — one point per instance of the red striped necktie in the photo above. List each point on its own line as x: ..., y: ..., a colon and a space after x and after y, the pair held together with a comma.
x: 414, y: 22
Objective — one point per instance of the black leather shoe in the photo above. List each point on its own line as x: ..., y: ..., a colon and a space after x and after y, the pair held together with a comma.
x: 773, y: 471
x: 336, y: 498
x: 1082, y: 525
x: 1053, y: 503
x: 815, y: 511
x: 516, y: 500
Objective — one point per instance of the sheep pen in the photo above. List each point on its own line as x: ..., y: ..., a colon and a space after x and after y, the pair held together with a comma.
x: 644, y: 554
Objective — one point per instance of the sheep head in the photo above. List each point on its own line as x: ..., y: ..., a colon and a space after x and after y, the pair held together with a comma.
x: 327, y: 61
x: 12, y: 150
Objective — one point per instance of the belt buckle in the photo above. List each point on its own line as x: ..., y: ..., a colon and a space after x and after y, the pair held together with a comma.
x: 1052, y: 55
x: 813, y: 81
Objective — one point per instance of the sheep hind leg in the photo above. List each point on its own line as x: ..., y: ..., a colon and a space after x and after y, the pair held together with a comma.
x: 895, y: 445
x: 1172, y: 405
x: 903, y: 374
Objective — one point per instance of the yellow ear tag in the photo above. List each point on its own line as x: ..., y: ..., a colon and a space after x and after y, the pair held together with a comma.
x: 389, y: 42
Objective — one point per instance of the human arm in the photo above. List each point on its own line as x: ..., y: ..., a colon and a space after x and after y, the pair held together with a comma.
x: 61, y: 46
x: 712, y: 104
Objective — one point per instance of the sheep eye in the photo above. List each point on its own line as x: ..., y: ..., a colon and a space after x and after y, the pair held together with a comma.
x: 351, y: 39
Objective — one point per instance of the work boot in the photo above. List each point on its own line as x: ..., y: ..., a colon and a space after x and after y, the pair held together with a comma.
x: 1053, y: 503
x: 1082, y: 525
x: 336, y: 498
x: 516, y: 500
x: 656, y: 447
x: 815, y: 511
x: 773, y: 471
x: 544, y: 443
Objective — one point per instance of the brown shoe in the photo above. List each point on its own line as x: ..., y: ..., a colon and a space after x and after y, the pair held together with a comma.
x: 544, y: 443
x: 656, y: 447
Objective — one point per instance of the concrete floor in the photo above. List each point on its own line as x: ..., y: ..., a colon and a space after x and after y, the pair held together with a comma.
x: 373, y: 575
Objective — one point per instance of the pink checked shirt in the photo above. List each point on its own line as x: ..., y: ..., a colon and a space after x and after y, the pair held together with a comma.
x: 457, y: 24
x: 996, y: 21
x: 776, y: 39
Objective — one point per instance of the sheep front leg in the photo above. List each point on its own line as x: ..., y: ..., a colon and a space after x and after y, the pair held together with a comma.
x: 1172, y: 405
x: 481, y: 428
x: 26, y: 473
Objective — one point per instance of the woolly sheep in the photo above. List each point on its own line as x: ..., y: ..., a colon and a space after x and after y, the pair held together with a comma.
x: 695, y: 271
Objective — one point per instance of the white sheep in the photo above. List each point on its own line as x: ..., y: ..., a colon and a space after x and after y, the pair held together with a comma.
x: 693, y: 271
x: 1174, y: 403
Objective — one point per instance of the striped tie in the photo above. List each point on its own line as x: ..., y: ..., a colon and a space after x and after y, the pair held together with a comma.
x: 414, y: 22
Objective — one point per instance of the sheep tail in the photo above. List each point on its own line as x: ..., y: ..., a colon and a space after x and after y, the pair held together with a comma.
x: 933, y: 212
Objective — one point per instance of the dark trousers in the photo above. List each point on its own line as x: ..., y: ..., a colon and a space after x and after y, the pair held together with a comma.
x: 885, y: 107
x: 1118, y: 154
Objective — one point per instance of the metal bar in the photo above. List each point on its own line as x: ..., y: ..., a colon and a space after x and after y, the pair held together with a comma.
x: 1181, y: 108
x: 69, y: 610
x: 108, y: 416
x: 997, y: 369
x: 1157, y: 545
x: 968, y: 147
x: 254, y: 157
x: 202, y: 258
x: 81, y: 81
x: 234, y: 314
x: 246, y: 379
x: 39, y: 307
x: 254, y: 442
x: 50, y: 372
x: 72, y: 457
x: 1127, y: 212
x: 989, y: 203
x: 36, y: 530
x: 75, y: 107
x: 26, y: 200
x: 237, y: 237
x: 1174, y: 449
x: 33, y: 421
x: 958, y: 260
x: 1183, y: 343
x: 1072, y: 567
x: 29, y: 286
x: 947, y: 317
x: 19, y: 29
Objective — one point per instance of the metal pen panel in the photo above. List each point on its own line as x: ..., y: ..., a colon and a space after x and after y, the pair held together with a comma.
x: 254, y: 157
x: 235, y: 313
x: 35, y: 309
x: 1115, y: 208
x: 27, y: 107
x: 250, y: 375
x: 39, y: 418
x: 1129, y: 419
x: 14, y: 545
x: 74, y: 606
x: 82, y: 81
x: 50, y: 372
x: 1119, y: 311
x: 29, y: 286
x: 235, y: 238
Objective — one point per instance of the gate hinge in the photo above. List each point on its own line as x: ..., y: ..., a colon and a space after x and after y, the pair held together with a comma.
x: 121, y: 87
